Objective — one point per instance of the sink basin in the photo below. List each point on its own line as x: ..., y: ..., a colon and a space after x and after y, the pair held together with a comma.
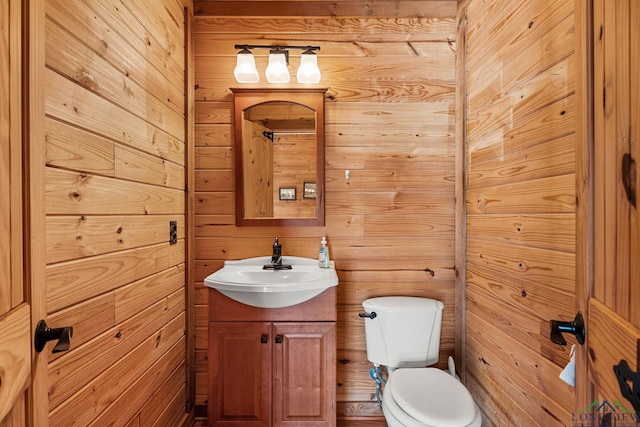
x: 247, y: 282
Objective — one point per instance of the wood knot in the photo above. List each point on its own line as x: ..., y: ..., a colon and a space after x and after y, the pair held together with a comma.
x: 629, y: 177
x: 127, y: 90
x: 480, y: 202
x: 87, y: 79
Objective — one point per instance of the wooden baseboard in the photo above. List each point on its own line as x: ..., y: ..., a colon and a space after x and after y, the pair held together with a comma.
x: 341, y: 422
x: 361, y: 422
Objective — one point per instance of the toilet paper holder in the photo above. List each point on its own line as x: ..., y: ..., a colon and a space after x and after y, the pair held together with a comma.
x: 576, y: 327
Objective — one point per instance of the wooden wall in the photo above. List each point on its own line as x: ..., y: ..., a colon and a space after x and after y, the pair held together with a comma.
x: 294, y: 158
x: 115, y: 141
x: 390, y: 122
x: 520, y: 199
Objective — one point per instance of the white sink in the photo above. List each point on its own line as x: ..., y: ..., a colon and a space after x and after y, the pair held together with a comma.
x: 247, y: 282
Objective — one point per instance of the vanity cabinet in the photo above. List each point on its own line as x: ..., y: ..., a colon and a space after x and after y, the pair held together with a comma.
x: 272, y: 367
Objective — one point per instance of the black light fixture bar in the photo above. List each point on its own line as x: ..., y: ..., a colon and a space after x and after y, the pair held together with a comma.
x: 275, y: 47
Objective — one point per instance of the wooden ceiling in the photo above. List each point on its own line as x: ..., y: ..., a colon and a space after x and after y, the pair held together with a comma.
x: 388, y: 8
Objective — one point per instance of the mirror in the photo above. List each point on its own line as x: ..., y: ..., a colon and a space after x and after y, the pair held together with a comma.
x: 279, y: 156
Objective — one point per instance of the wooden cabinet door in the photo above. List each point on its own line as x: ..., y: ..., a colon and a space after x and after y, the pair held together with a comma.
x: 613, y: 314
x: 304, y: 374
x: 239, y: 374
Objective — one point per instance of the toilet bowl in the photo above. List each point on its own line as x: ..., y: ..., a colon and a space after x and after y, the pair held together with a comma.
x: 428, y: 397
x: 403, y: 334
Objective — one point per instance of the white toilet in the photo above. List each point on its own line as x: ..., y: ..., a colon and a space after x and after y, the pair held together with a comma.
x: 403, y: 334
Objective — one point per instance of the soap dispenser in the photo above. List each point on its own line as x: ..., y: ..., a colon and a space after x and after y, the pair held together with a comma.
x: 323, y: 254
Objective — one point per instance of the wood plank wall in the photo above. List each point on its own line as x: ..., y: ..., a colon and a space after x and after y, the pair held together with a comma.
x: 390, y: 122
x: 115, y: 176
x: 520, y: 198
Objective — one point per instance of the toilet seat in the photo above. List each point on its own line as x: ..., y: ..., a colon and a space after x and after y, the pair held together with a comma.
x: 429, y: 397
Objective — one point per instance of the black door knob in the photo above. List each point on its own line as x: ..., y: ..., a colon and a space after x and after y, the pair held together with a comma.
x: 44, y: 334
x: 576, y: 328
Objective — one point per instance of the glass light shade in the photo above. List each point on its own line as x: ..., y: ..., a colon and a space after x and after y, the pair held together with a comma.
x: 308, y: 72
x: 245, y: 71
x: 277, y: 71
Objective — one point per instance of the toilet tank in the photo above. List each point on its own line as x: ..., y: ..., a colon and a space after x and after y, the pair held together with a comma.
x: 405, y: 332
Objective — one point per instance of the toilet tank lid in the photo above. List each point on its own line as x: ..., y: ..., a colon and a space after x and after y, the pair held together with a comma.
x: 402, y: 304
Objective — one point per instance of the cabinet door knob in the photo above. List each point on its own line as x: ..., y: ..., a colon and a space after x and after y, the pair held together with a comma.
x: 278, y: 339
x: 264, y: 338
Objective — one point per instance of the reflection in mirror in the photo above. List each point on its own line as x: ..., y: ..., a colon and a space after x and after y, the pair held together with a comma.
x: 279, y: 152
x: 279, y: 149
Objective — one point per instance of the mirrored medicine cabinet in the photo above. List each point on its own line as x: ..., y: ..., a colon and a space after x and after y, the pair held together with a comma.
x: 279, y: 156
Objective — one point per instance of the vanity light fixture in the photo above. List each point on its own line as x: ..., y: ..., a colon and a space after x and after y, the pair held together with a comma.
x: 277, y: 71
x: 245, y: 71
x: 308, y: 72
